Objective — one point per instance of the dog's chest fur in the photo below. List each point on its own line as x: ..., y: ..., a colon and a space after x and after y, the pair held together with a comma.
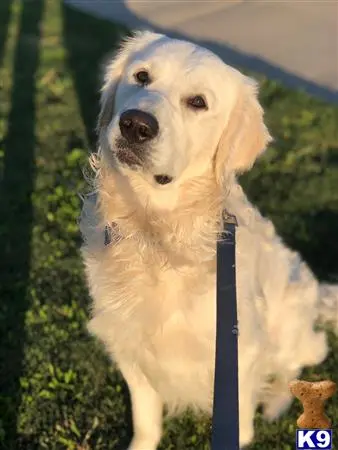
x: 155, y: 307
x: 158, y: 316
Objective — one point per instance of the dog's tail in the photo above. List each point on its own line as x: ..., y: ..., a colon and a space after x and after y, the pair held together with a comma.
x: 328, y: 305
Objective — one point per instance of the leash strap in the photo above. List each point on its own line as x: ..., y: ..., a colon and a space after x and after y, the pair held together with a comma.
x: 225, y: 421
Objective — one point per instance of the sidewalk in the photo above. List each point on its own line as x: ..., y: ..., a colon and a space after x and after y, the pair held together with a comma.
x: 293, y: 41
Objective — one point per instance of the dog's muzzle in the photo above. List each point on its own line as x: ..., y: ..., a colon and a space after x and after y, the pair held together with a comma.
x: 137, y: 129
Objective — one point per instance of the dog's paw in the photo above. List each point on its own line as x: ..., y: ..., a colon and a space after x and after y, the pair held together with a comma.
x: 246, y: 436
x: 140, y: 443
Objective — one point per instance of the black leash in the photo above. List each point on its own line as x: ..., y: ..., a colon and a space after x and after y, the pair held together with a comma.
x: 225, y: 421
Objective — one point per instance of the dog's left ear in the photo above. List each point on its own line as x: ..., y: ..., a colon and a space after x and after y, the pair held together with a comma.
x: 245, y: 136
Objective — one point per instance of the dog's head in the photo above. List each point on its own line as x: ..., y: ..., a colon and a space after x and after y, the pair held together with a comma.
x: 171, y: 110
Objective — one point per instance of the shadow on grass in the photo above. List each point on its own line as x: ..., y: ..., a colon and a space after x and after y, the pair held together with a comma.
x: 16, y: 216
x: 85, y: 57
x: 5, y: 16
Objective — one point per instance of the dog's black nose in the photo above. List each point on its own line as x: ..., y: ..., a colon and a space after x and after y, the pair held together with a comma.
x: 138, y: 126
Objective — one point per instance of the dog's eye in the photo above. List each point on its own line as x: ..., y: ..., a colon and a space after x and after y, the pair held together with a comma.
x: 142, y: 77
x: 197, y: 102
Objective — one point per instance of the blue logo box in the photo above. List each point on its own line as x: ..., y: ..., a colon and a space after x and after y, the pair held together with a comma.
x: 313, y: 439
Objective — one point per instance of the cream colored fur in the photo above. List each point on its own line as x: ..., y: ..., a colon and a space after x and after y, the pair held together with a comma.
x: 153, y: 286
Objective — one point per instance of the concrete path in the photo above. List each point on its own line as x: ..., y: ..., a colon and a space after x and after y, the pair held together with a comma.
x: 295, y: 41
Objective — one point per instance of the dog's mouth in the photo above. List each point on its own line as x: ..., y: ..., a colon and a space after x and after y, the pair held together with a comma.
x: 128, y: 155
x: 134, y: 156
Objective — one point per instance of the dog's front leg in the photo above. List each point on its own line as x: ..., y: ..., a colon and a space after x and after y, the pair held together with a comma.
x: 147, y: 408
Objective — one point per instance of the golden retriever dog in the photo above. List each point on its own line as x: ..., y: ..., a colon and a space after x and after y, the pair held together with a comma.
x: 176, y: 126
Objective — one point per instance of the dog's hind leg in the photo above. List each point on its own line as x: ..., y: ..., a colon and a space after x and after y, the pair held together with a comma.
x: 277, y: 397
x: 297, y: 343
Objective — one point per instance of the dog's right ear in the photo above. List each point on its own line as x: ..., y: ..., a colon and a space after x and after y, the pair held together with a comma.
x: 112, y: 74
x: 114, y: 71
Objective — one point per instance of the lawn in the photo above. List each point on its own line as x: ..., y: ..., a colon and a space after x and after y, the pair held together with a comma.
x: 57, y: 388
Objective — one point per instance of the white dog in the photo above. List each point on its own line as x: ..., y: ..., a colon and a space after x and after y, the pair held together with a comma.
x: 176, y: 125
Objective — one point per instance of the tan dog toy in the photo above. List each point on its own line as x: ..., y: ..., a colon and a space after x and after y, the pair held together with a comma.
x: 313, y: 397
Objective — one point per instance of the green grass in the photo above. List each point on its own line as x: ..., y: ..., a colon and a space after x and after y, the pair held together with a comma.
x: 57, y: 388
